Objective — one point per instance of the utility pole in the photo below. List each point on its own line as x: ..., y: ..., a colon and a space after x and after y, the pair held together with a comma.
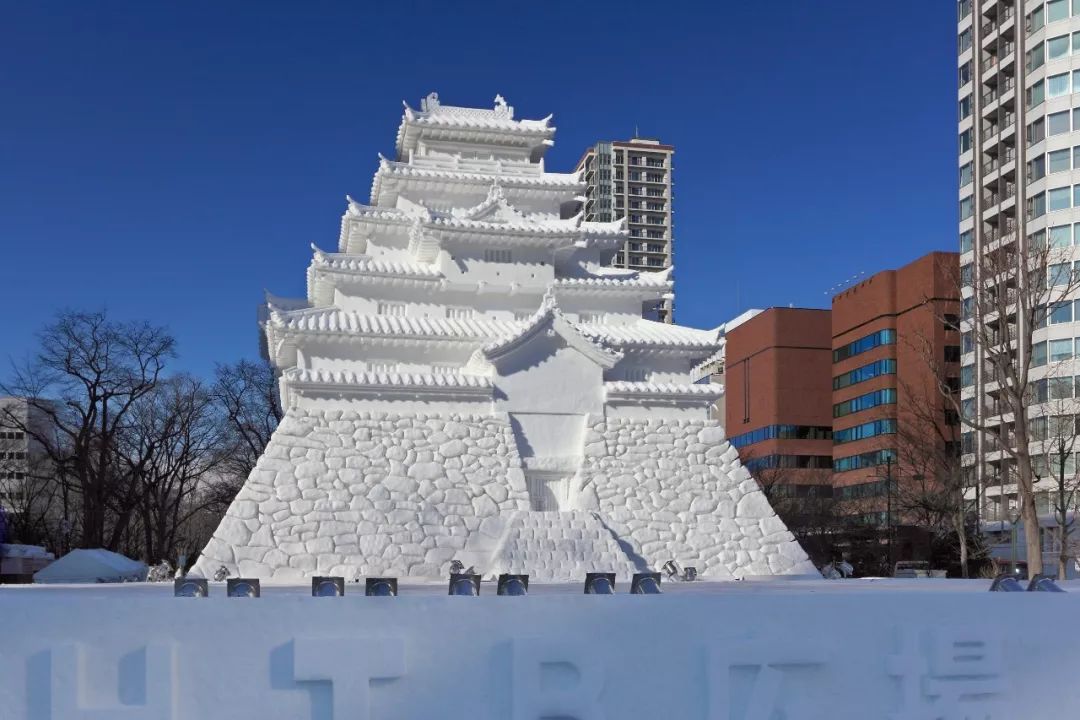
x: 888, y: 508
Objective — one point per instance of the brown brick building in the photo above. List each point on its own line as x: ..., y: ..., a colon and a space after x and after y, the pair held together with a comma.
x: 828, y: 399
x: 777, y: 398
x: 886, y: 403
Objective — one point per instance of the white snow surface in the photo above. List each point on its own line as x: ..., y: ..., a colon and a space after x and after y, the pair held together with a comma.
x: 350, y: 494
x: 716, y: 650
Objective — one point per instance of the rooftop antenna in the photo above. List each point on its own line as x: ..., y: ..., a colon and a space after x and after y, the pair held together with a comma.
x: 636, y: 133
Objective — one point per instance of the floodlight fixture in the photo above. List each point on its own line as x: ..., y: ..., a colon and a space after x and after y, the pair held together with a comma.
x: 1044, y: 583
x: 1006, y: 582
x: 513, y: 585
x: 191, y: 587
x: 464, y: 584
x: 690, y: 573
x: 600, y: 583
x: 242, y: 587
x: 673, y: 569
x: 327, y: 586
x: 380, y: 587
x: 645, y: 584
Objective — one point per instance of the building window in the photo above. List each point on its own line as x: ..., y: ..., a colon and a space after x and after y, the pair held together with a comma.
x: 1057, y: 10
x: 1035, y: 94
x: 1057, y: 123
x: 1036, y: 20
x: 1061, y: 350
x: 655, y: 177
x: 783, y: 432
x: 965, y: 141
x: 1057, y: 47
x: 966, y: 207
x: 967, y: 376
x: 864, y: 373
x: 1036, y: 131
x: 964, y: 73
x: 795, y: 462
x: 1038, y: 354
x: 499, y: 256
x: 965, y: 174
x: 1060, y: 313
x: 869, y: 342
x: 884, y: 396
x: 1057, y: 85
x: 864, y: 431
x: 382, y: 366
x: 963, y: 9
x: 1058, y: 274
x: 1059, y: 199
x: 952, y: 353
x: 1036, y: 168
x: 391, y: 308
x: 1035, y: 57
x: 966, y: 241
x: 1060, y: 236
x: 1036, y: 206
x: 864, y: 460
x: 460, y: 313
x: 963, y: 42
x: 1059, y: 160
x: 965, y: 107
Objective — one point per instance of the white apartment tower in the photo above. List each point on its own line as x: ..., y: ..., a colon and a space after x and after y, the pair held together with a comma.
x: 632, y: 179
x: 1019, y: 178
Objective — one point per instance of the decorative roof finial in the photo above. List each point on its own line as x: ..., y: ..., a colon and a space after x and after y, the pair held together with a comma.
x: 430, y: 102
x: 502, y: 109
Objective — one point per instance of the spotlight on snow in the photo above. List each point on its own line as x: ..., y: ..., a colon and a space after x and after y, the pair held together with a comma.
x: 513, y: 585
x: 464, y: 584
x: 645, y: 584
x: 327, y: 586
x: 242, y: 587
x: 381, y: 587
x: 191, y: 587
x: 1043, y: 583
x: 597, y: 583
x: 1006, y: 583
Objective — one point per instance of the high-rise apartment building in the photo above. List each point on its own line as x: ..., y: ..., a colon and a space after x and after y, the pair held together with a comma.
x: 632, y: 179
x: 1019, y: 178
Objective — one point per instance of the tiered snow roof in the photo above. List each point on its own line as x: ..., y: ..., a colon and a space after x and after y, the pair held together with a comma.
x: 464, y: 124
x: 464, y: 230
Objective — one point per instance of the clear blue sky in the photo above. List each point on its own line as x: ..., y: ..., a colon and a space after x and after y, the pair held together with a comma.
x: 170, y: 160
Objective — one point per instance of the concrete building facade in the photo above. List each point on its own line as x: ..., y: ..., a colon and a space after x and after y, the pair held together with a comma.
x: 20, y: 456
x: 1018, y: 67
x: 632, y: 179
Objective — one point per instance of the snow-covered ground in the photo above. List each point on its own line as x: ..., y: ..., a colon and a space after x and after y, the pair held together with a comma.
x: 731, y: 651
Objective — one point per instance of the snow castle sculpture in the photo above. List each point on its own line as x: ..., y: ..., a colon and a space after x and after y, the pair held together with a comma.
x: 469, y: 379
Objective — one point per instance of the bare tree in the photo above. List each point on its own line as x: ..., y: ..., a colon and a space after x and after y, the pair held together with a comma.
x: 1059, y: 435
x: 247, y: 393
x: 1008, y: 293
x: 932, y: 492
x: 174, y: 446
x: 803, y: 500
x: 88, y: 375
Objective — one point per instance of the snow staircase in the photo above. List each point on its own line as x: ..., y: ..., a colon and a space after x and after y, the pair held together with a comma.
x: 559, y: 546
